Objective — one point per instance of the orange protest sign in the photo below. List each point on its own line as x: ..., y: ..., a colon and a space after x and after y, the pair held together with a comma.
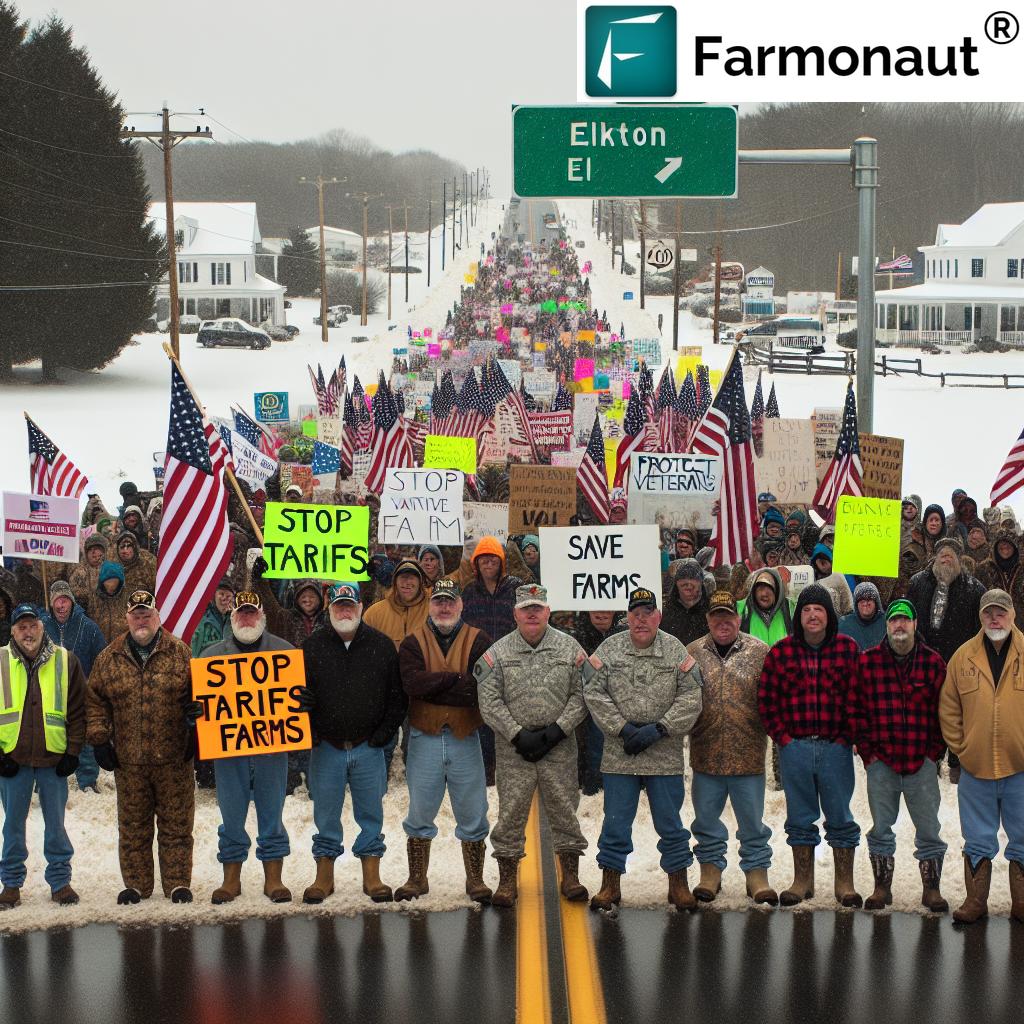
x: 249, y: 704
x: 585, y: 336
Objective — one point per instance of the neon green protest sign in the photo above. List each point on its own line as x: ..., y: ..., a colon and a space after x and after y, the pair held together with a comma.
x: 867, y: 537
x: 326, y: 542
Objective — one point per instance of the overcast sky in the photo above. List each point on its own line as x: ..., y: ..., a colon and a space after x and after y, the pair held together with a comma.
x: 407, y: 75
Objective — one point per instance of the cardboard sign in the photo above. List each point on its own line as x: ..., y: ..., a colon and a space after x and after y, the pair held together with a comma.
x: 655, y: 473
x: 328, y: 430
x: 40, y: 526
x: 594, y: 568
x: 327, y: 542
x: 421, y: 506
x: 551, y: 429
x: 826, y: 425
x: 300, y: 475
x: 540, y: 496
x: 867, y: 537
x: 800, y: 576
x: 271, y: 406
x: 484, y: 519
x: 441, y: 452
x: 249, y: 704
x: 881, y: 458
x: 787, y: 467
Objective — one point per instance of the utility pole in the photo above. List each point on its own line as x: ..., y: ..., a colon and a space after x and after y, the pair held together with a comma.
x: 454, y: 204
x: 430, y: 231
x: 675, y: 278
x: 166, y: 140
x: 718, y: 291
x: 444, y: 220
x: 839, y: 277
x: 643, y: 251
x: 389, y: 209
x: 405, y: 210
x: 365, y: 197
x: 319, y: 181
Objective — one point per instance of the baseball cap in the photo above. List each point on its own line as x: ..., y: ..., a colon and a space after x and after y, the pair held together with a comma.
x: 531, y: 594
x: 901, y: 608
x: 141, y: 599
x: 721, y: 601
x: 642, y: 598
x: 24, y: 611
x: 445, y: 590
x: 343, y: 592
x: 248, y: 599
x: 991, y: 598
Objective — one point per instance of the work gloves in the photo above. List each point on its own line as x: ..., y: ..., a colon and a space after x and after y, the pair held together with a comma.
x: 106, y: 757
x: 66, y: 765
x: 637, y: 738
x: 259, y: 567
x: 8, y: 766
x: 193, y: 712
x: 305, y: 698
x: 533, y: 744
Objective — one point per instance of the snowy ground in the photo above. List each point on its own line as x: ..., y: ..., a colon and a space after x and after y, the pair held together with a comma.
x: 92, y: 826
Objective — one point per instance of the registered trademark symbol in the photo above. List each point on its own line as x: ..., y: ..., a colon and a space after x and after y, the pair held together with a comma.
x: 1001, y: 27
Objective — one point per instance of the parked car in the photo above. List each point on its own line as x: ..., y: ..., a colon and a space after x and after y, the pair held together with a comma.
x: 358, y: 338
x: 580, y: 244
x: 189, y: 323
x: 279, y: 332
x: 336, y: 316
x: 232, y: 333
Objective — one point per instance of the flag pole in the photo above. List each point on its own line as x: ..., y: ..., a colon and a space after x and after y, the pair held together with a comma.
x: 257, y: 532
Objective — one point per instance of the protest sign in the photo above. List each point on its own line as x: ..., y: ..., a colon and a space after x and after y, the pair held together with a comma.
x: 271, y: 406
x: 328, y: 542
x: 867, y: 536
x: 540, y: 496
x: 299, y: 475
x: 800, y: 576
x: 251, y: 465
x: 881, y: 458
x: 512, y: 370
x: 328, y: 429
x: 540, y: 384
x: 585, y: 336
x: 657, y: 473
x: 787, y: 467
x: 484, y: 519
x: 40, y: 526
x: 594, y: 568
x: 503, y: 438
x: 551, y: 429
x: 421, y: 506
x: 441, y: 452
x: 249, y: 704
x: 825, y: 425
x: 582, y: 369
x: 572, y: 457
x: 583, y: 411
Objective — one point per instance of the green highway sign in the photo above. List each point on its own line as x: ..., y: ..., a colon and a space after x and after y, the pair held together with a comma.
x: 625, y: 151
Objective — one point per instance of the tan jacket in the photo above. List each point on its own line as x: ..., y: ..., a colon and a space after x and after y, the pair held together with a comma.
x: 982, y: 722
x: 396, y: 620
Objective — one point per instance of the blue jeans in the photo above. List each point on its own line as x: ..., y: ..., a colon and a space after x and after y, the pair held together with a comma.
x: 263, y: 779
x: 88, y: 771
x: 921, y: 793
x: 16, y: 797
x: 746, y: 793
x: 362, y: 769
x: 433, y: 762
x: 621, y: 797
x: 984, y: 805
x: 817, y: 777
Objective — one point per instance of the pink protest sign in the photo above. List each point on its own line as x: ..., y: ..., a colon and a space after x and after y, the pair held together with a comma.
x: 626, y: 389
x: 506, y: 308
x: 614, y: 338
x: 501, y: 334
x: 428, y: 332
x: 434, y: 350
x: 583, y: 369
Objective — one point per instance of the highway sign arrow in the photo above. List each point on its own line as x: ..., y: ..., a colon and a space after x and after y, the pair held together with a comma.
x: 672, y: 164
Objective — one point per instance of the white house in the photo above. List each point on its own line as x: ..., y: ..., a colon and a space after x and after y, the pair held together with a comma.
x: 759, y: 296
x: 973, y: 287
x: 216, y: 252
x: 337, y: 241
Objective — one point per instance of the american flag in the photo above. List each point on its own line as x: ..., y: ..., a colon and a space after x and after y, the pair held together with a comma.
x: 49, y: 470
x: 364, y: 425
x: 256, y: 435
x: 844, y: 474
x: 703, y: 388
x: 497, y: 389
x: 348, y: 432
x: 390, y: 442
x: 635, y: 439
x: 901, y: 262
x: 592, y: 476
x: 1011, y: 477
x: 326, y: 459
x: 563, y: 399
x: 645, y: 385
x: 757, y: 418
x: 771, y: 411
x: 687, y: 413
x: 195, y: 543
x: 442, y: 406
x: 724, y: 431
x: 666, y: 398
x: 469, y: 419
x: 38, y: 511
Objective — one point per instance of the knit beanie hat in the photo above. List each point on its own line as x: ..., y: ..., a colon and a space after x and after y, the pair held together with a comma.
x: 950, y: 542
x: 432, y: 549
x: 687, y: 569
x: 773, y: 515
x: 530, y: 538
x: 111, y: 571
x: 815, y: 593
x: 867, y: 591
x: 60, y: 588
x: 95, y: 540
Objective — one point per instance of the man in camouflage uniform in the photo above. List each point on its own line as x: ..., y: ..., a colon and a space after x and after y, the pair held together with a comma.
x: 140, y: 722
x: 644, y: 691
x: 530, y: 693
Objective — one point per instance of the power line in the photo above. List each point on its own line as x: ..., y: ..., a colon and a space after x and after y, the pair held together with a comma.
x: 75, y: 287
x: 51, y: 88
x: 67, y: 234
x: 66, y: 199
x: 66, y: 149
x: 77, y: 252
x: 252, y: 142
x: 60, y: 177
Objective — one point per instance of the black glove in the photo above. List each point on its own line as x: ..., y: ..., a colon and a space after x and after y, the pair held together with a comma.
x: 66, y: 765
x: 644, y: 737
x: 553, y: 735
x: 106, y: 757
x: 259, y: 567
x: 193, y: 711
x: 306, y: 698
x: 8, y: 766
x: 529, y: 744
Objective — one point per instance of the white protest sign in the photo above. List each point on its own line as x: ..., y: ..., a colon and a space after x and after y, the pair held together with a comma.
x: 655, y: 473
x: 484, y: 519
x: 40, y: 526
x: 540, y: 384
x: 594, y: 568
x: 251, y: 465
x: 571, y: 458
x: 800, y: 576
x: 421, y: 506
x: 583, y: 411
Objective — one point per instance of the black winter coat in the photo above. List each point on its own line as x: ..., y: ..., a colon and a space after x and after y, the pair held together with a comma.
x: 357, y: 691
x: 685, y: 624
x: 959, y: 624
x: 589, y: 637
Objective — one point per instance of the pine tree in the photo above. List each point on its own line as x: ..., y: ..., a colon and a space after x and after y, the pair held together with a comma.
x: 82, y: 204
x: 299, y: 266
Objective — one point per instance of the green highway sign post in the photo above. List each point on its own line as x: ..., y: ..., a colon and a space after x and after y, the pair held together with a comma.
x: 622, y: 151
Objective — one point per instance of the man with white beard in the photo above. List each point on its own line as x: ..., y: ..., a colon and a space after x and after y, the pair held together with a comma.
x: 356, y: 703
x: 261, y: 778
x: 982, y: 714
x: 892, y: 710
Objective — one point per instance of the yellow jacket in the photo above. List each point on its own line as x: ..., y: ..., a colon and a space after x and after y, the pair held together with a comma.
x: 397, y: 620
x: 983, y: 722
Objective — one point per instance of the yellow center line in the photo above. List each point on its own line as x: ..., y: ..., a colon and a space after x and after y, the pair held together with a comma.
x: 533, y: 993
x: 582, y: 976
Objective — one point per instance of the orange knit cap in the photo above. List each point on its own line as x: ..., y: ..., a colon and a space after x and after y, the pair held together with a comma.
x: 489, y: 546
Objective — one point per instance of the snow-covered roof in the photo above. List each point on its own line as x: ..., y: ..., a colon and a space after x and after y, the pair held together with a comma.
x: 335, y: 234
x: 991, y: 225
x: 937, y: 290
x: 216, y: 229
x: 760, y: 272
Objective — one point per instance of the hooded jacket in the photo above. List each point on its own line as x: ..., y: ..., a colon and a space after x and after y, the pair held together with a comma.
x: 1005, y: 573
x: 490, y: 612
x: 392, y: 616
x: 213, y: 627
x: 868, y: 633
x: 772, y: 625
x: 685, y: 624
x: 140, y: 568
x: 84, y: 577
x: 79, y: 635
x: 960, y: 620
x: 108, y: 611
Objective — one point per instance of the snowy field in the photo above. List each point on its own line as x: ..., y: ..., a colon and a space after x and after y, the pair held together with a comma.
x: 92, y: 826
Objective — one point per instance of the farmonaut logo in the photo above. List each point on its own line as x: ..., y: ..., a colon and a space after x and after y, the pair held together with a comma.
x: 630, y: 50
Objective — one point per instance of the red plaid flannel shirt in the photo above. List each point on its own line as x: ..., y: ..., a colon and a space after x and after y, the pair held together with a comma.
x: 893, y: 710
x: 802, y: 691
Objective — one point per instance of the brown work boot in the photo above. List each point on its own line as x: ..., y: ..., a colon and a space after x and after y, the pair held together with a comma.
x: 931, y: 873
x: 65, y: 896
x: 572, y: 888
x: 803, y: 877
x: 758, y: 888
x: 231, y: 887
x: 323, y: 884
x: 846, y: 893
x: 473, y: 855
x: 10, y: 897
x: 977, y: 880
x: 273, y: 888
x: 508, y: 889
x: 679, y: 894
x: 1017, y: 890
x: 883, y: 868
x: 710, y: 884
x: 418, y: 851
x: 372, y: 885
x: 608, y: 895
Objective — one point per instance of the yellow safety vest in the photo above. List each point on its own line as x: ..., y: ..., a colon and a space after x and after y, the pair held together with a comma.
x: 53, y: 685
